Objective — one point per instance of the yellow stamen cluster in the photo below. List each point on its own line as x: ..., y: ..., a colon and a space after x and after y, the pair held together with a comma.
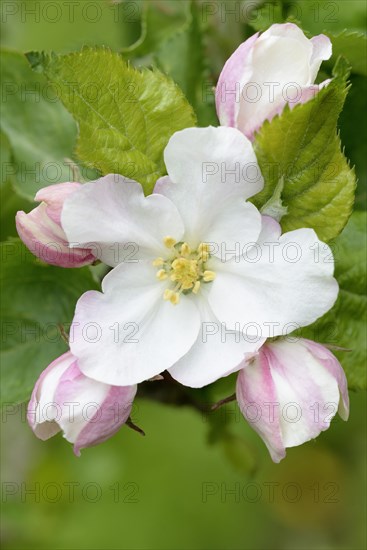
x: 186, y: 269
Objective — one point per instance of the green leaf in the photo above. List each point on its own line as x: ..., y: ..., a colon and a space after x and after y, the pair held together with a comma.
x: 302, y: 147
x: 36, y: 298
x: 40, y: 131
x: 10, y: 201
x: 125, y: 116
x: 345, y: 324
x: 6, y: 158
x: 353, y: 46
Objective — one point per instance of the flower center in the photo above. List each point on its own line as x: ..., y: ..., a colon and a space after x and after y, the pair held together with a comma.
x: 185, y: 269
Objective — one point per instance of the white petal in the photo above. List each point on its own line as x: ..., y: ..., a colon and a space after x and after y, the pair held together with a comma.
x: 280, y: 286
x: 270, y: 230
x: 257, y: 399
x: 54, y: 196
x: 114, y: 412
x: 237, y: 69
x: 216, y: 352
x: 307, y: 393
x: 281, y: 60
x: 113, y: 214
x: 79, y: 399
x: 129, y: 333
x: 208, y: 168
x: 43, y: 412
x: 322, y: 50
x: 332, y: 365
x: 234, y: 229
x: 282, y: 53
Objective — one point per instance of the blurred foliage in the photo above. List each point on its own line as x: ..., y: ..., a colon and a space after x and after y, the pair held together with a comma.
x: 159, y: 22
x: 355, y: 139
x: 37, y: 299
x: 170, y: 490
x: 352, y: 45
x: 10, y: 201
x: 194, y: 481
x: 40, y: 130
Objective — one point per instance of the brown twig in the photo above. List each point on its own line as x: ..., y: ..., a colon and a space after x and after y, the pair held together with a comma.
x: 63, y: 333
x: 134, y: 427
x: 223, y: 402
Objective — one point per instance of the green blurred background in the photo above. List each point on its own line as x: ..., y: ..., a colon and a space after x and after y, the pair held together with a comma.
x: 193, y: 482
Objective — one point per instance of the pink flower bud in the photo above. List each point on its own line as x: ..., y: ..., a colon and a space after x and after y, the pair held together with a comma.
x: 267, y: 72
x: 290, y: 391
x: 88, y: 412
x: 42, y: 233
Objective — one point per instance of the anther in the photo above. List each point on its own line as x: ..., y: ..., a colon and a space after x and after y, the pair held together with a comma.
x: 196, y: 288
x: 169, y: 242
x: 158, y: 262
x: 161, y: 275
x: 208, y: 276
x: 175, y: 298
x: 167, y: 295
x: 204, y: 251
x: 185, y: 249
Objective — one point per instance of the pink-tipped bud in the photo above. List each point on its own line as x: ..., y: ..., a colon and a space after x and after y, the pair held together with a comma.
x: 290, y: 391
x: 42, y: 233
x: 88, y: 412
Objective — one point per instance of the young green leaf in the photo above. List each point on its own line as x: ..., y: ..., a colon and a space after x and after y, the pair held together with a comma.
x: 125, y: 116
x: 302, y: 147
x: 36, y: 299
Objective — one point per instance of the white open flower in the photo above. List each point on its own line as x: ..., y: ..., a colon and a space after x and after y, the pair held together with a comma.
x: 185, y: 272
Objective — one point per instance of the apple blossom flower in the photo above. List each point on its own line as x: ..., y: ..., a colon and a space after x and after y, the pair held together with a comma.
x: 290, y: 391
x: 191, y: 298
x: 266, y: 72
x: 88, y: 412
x: 41, y: 231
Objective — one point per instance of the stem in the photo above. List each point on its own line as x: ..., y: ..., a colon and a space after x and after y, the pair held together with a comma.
x: 63, y: 333
x: 223, y: 402
x: 134, y: 427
